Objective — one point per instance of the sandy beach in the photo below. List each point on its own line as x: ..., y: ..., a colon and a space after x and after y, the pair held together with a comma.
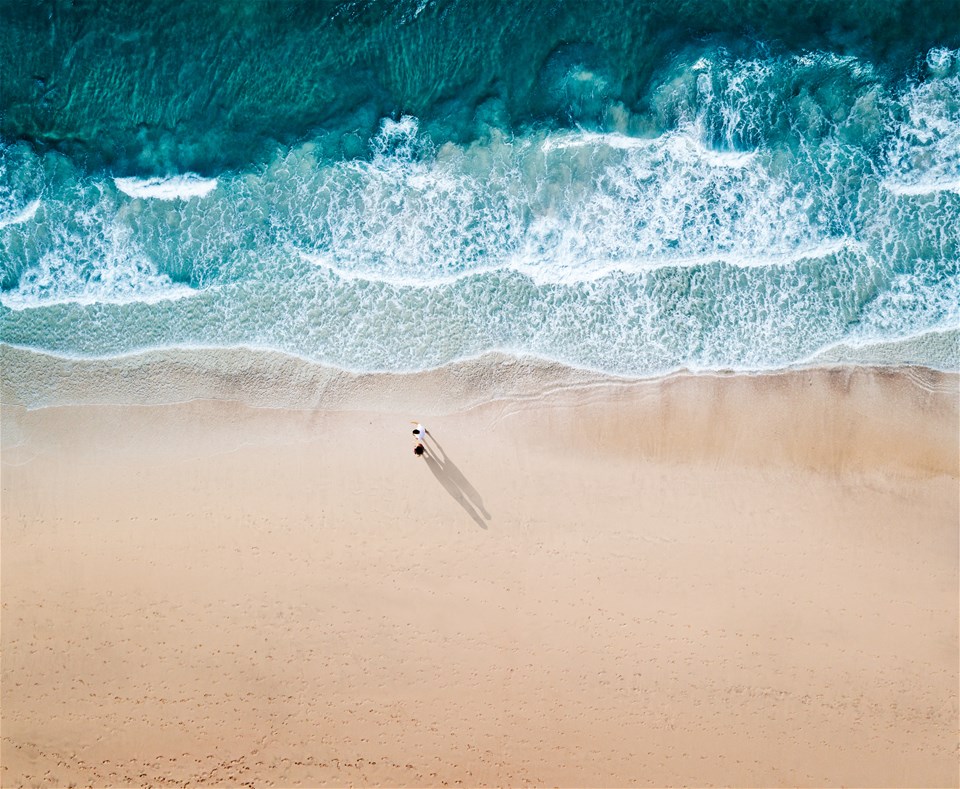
x: 700, y: 580
x: 674, y: 287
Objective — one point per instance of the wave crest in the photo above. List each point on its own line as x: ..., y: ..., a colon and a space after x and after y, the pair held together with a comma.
x: 174, y: 187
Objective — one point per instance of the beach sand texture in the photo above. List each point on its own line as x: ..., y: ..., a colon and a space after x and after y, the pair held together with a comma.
x: 702, y: 580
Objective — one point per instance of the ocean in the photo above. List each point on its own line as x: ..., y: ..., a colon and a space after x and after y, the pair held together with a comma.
x: 392, y: 185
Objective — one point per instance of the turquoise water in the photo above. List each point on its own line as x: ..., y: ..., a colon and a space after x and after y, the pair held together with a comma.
x: 628, y: 187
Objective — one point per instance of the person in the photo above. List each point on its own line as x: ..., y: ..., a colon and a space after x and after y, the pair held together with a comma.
x: 418, y: 449
x: 419, y: 431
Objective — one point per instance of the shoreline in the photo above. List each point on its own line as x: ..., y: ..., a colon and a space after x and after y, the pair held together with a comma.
x: 696, y: 416
x: 273, y: 379
x: 738, y: 580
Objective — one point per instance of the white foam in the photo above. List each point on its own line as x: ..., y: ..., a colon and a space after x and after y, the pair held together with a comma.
x: 580, y: 271
x: 686, y: 143
x: 18, y: 301
x: 543, y: 244
x: 120, y: 272
x: 921, y: 187
x: 941, y: 60
x: 559, y: 142
x: 669, y: 201
x: 24, y: 215
x: 924, y: 155
x: 733, y: 159
x: 175, y: 187
x: 399, y: 139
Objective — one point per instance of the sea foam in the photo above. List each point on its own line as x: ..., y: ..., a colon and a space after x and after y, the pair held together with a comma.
x: 783, y: 205
x: 174, y: 187
x: 921, y: 187
x: 23, y: 215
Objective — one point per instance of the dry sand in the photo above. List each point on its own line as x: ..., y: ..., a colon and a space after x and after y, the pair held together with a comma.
x: 733, y: 580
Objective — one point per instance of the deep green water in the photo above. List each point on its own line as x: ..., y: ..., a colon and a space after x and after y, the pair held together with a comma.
x: 632, y: 187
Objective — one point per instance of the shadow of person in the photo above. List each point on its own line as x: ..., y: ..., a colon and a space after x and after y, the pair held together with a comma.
x: 456, y: 484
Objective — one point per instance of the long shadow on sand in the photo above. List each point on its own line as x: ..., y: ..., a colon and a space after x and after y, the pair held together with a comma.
x: 457, y: 485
